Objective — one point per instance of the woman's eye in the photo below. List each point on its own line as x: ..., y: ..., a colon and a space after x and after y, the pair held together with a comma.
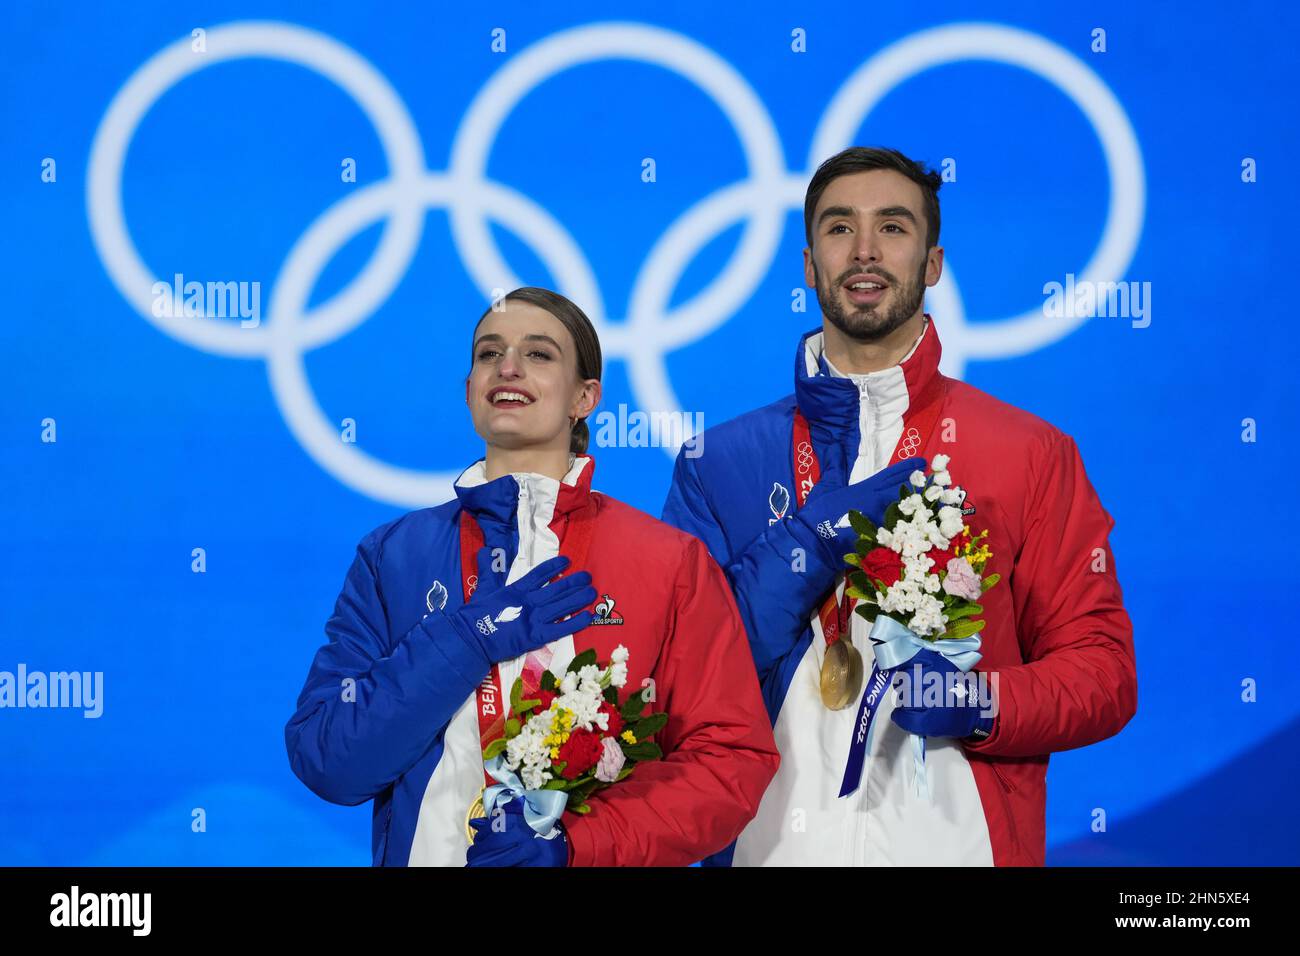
x: 538, y: 353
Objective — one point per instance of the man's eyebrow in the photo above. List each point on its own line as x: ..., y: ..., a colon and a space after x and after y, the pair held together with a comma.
x: 896, y: 212
x: 884, y: 212
x: 534, y: 337
x: 830, y: 212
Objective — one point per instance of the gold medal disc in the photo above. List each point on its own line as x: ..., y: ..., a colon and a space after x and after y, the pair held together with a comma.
x: 476, y: 812
x: 841, y: 677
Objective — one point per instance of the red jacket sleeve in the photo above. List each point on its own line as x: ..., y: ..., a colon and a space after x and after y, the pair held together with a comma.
x: 1078, y: 682
x: 719, y: 753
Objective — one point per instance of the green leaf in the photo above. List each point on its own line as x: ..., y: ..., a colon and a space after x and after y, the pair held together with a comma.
x: 516, y: 689
x: 549, y: 682
x: 527, y: 705
x: 582, y: 660
x: 556, y: 783
x: 864, y: 546
x: 867, y: 612
x: 859, y: 594
x: 880, y: 586
x: 581, y: 808
x: 854, y: 559
x: 649, y: 725
x: 988, y: 582
x: 625, y: 772
x: 632, y: 707
x: 513, y: 727
x: 611, y: 695
x: 862, y: 524
x: 494, y: 749
x: 641, y: 750
x: 585, y: 788
x: 962, y: 629
x: 892, y: 515
x: 903, y: 491
x: 963, y: 610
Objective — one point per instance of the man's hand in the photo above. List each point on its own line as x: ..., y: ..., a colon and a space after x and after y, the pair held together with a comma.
x: 506, y: 839
x: 822, y: 522
x: 958, y: 715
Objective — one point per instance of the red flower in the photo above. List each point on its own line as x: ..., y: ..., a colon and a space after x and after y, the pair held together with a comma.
x: 883, y: 564
x: 615, y: 719
x: 940, y: 559
x: 580, y: 751
x: 545, y: 696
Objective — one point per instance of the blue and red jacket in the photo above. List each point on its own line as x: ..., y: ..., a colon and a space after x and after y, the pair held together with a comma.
x: 406, y: 735
x: 1057, y: 645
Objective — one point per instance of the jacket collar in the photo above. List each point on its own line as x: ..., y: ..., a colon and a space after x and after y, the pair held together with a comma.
x: 832, y: 402
x: 497, y: 501
x: 825, y: 395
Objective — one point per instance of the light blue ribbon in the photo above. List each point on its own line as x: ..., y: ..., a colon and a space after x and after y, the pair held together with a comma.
x: 896, y: 644
x: 542, y: 808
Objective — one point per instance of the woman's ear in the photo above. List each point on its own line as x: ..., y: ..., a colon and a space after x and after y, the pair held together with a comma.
x: 588, y: 398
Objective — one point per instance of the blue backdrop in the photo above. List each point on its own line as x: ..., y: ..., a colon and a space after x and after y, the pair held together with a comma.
x: 650, y: 161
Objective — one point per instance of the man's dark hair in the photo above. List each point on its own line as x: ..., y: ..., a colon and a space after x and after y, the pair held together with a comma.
x: 859, y: 159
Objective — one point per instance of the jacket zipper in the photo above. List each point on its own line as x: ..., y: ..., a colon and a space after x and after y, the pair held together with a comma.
x: 388, y: 824
x: 1007, y: 788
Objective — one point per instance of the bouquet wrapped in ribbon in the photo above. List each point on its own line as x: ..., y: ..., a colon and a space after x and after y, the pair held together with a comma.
x: 569, y: 741
x: 918, y: 580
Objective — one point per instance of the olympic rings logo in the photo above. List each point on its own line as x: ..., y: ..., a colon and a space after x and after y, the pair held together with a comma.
x: 651, y: 328
x: 804, y: 457
x: 910, y: 445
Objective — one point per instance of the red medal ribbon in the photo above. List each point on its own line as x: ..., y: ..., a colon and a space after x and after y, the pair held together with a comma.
x: 918, y: 428
x: 491, y: 699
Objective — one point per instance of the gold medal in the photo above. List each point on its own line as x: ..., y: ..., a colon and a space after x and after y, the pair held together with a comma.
x: 476, y: 812
x: 841, y: 677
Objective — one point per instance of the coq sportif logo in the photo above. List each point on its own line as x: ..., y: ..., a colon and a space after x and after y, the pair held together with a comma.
x: 652, y: 326
x: 604, y: 612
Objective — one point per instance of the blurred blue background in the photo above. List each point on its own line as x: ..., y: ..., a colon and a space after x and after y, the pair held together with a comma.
x: 171, y: 438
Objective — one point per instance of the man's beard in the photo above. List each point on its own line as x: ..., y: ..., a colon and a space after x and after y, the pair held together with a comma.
x: 870, y: 323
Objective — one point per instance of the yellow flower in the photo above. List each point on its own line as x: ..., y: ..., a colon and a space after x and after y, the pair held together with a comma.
x: 628, y: 736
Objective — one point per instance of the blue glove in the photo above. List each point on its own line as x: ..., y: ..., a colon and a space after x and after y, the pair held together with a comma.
x: 956, y: 716
x: 774, y: 594
x: 503, y: 622
x: 508, y: 840
x: 822, y: 523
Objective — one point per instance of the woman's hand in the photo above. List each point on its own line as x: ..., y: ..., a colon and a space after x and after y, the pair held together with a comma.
x: 508, y: 840
x: 505, y: 621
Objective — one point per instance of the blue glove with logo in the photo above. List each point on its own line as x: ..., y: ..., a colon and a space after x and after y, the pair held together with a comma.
x: 508, y: 840
x: 822, y: 524
x: 499, y: 623
x: 783, y: 574
x: 958, y: 713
